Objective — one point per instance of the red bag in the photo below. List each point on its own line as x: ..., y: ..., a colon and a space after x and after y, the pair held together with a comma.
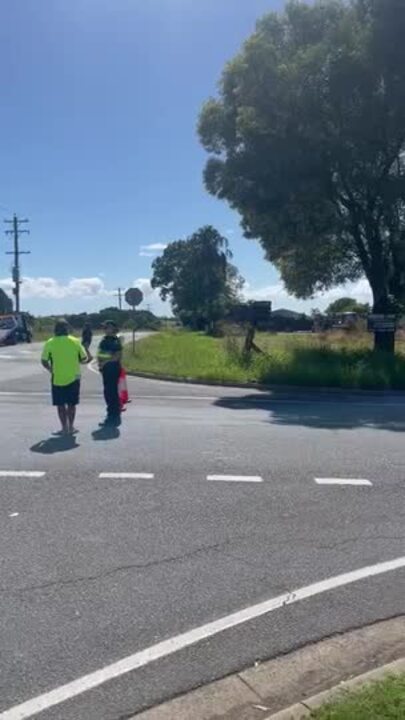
x: 123, y: 390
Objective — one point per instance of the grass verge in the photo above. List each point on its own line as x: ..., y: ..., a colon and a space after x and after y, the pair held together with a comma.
x: 378, y: 701
x: 309, y: 361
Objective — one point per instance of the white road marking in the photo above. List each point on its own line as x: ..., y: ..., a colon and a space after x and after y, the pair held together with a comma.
x: 191, y: 637
x: 13, y: 515
x: 92, y: 366
x: 30, y: 393
x: 212, y: 398
x: 126, y: 476
x: 22, y: 473
x: 235, y: 478
x: 343, y: 481
x: 7, y: 357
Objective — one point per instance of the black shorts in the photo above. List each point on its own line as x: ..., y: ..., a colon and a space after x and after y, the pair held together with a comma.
x: 66, y: 394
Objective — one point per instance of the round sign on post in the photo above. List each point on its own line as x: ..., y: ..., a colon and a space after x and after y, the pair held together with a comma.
x: 133, y: 297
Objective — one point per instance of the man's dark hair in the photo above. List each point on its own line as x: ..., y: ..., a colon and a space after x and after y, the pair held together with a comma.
x: 110, y: 323
x: 61, y: 327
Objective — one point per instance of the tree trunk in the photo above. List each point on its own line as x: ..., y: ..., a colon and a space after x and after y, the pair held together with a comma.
x: 385, y: 342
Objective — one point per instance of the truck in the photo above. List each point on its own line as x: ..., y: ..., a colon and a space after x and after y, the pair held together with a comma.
x: 14, y: 328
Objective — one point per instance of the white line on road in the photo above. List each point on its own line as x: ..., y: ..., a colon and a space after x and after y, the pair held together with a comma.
x: 383, y: 403
x: 93, y: 367
x: 126, y: 476
x: 343, y: 481
x: 22, y: 473
x: 235, y: 478
x: 191, y: 637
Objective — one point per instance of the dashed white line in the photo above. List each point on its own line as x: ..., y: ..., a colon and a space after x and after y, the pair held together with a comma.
x: 191, y: 637
x: 126, y: 476
x: 22, y: 473
x: 344, y: 481
x: 235, y: 478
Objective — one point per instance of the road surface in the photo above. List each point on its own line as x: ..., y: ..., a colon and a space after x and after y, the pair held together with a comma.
x: 205, y: 503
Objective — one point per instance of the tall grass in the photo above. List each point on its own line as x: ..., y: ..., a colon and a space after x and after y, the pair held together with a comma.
x: 309, y: 361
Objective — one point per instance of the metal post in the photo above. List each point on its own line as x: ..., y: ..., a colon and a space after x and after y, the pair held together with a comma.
x: 16, y: 232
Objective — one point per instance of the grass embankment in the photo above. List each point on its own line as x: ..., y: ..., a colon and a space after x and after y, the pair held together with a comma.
x: 328, y: 360
x: 379, y: 701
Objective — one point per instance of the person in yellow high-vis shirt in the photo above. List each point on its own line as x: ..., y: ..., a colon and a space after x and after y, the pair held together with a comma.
x: 62, y: 356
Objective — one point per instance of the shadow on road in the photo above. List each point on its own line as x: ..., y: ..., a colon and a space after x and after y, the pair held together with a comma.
x: 53, y: 445
x: 339, y: 413
x: 106, y: 433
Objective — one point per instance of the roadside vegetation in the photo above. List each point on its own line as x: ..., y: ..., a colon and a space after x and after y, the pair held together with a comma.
x: 380, y: 701
x: 144, y: 320
x: 310, y: 360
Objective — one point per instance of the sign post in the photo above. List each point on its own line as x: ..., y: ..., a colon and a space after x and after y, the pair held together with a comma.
x: 133, y: 297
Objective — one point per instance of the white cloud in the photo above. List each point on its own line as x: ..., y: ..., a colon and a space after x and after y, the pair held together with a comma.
x: 50, y: 288
x: 152, y: 249
x: 155, y: 246
x: 144, y: 285
x: 279, y: 296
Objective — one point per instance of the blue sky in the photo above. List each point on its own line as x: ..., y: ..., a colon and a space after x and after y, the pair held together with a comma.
x: 98, y: 145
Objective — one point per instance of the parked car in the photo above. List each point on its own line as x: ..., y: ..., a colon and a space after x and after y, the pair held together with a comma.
x: 14, y: 328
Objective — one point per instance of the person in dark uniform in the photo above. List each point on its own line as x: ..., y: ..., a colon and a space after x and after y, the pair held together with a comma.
x: 87, y: 335
x: 109, y: 363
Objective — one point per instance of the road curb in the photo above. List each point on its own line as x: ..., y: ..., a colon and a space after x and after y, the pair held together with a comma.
x: 304, y: 709
x: 162, y: 377
x: 290, y: 686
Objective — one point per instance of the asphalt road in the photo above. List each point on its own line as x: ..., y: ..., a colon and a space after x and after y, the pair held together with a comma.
x: 96, y: 569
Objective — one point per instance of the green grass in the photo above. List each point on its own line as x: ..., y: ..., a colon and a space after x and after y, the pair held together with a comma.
x: 305, y: 360
x: 179, y: 354
x: 379, y: 701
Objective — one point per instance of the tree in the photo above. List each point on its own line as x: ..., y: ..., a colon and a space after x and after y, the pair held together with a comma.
x: 347, y: 305
x: 307, y: 142
x: 198, y: 278
x: 6, y: 304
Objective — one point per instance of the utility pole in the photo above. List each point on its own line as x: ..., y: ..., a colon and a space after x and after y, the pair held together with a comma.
x: 16, y: 232
x: 119, y: 295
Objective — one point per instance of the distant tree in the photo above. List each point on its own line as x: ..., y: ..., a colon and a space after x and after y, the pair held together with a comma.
x: 197, y: 277
x: 144, y: 319
x: 308, y: 144
x: 347, y: 305
x: 6, y: 304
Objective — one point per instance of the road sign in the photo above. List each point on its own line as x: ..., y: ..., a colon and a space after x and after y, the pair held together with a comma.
x: 382, y: 323
x: 133, y: 297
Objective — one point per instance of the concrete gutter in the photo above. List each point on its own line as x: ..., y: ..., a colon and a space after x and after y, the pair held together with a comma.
x: 299, y: 681
x: 308, y: 389
x: 303, y: 709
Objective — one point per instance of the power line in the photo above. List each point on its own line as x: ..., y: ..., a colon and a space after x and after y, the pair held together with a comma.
x: 16, y: 252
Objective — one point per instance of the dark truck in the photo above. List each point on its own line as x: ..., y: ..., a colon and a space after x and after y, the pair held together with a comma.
x: 14, y: 328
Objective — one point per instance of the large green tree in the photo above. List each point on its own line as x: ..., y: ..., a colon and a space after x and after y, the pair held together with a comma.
x: 198, y: 278
x: 307, y: 142
x: 347, y: 305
